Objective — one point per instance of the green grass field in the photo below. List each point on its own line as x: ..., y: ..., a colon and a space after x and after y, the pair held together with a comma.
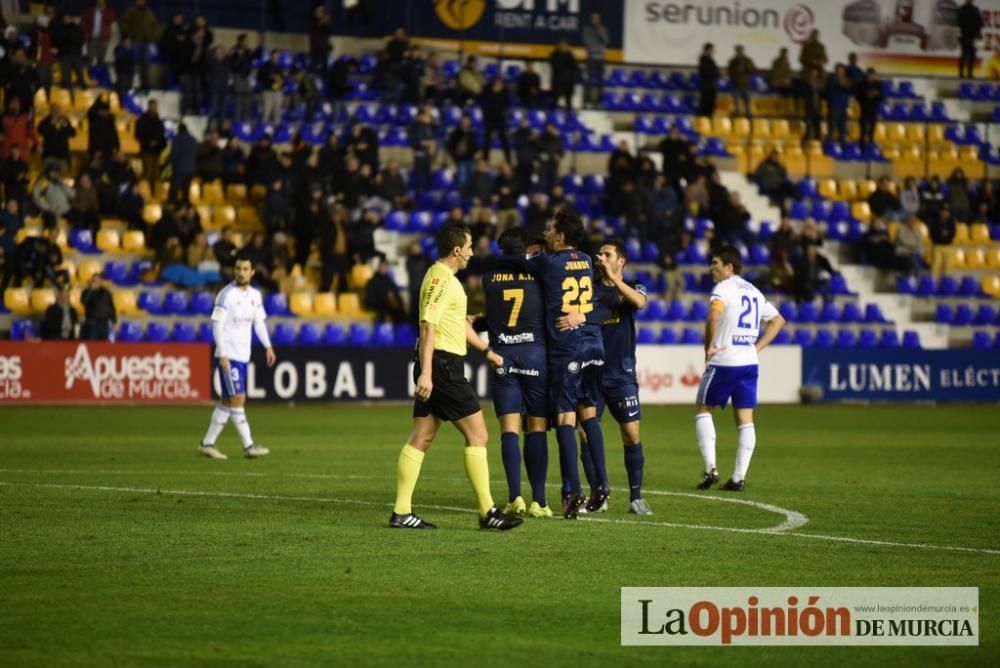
x: 120, y: 547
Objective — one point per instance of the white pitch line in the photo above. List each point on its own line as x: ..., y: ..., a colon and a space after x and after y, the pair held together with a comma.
x: 793, y: 519
x: 268, y: 497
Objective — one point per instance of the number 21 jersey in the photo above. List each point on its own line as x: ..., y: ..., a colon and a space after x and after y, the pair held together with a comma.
x: 739, y: 328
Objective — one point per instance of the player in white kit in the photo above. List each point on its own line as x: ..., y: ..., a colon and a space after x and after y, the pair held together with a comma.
x: 732, y: 340
x: 238, y: 309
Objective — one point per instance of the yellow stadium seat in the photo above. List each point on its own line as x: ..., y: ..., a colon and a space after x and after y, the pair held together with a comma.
x: 301, y: 304
x: 740, y: 127
x: 702, y: 125
x: 925, y: 233
x: 979, y: 233
x: 879, y: 134
x: 74, y: 299
x: 142, y: 187
x: 360, y: 275
x: 126, y: 302
x: 860, y: 211
x: 194, y: 192
x: 134, y: 241
x: 151, y: 213
x: 915, y: 132
x: 87, y: 269
x: 828, y: 188
x: 935, y: 134
x: 223, y: 216
x: 961, y: 234
x: 891, y: 229
x: 956, y: 259
x: 848, y: 190
x: 69, y: 267
x: 162, y: 191
x: 975, y: 258
x: 236, y: 193
x: 780, y: 129
x: 866, y: 187
x: 59, y: 236
x: 761, y: 128
x: 60, y: 96
x: 42, y: 298
x: 349, y: 305
x: 17, y: 301
x: 993, y: 258
x: 722, y: 126
x: 895, y: 132
x: 211, y: 193
x: 249, y: 216
x: 109, y: 241
x: 205, y: 216
x: 795, y: 160
x: 991, y: 285
x: 324, y: 304
x: 258, y: 192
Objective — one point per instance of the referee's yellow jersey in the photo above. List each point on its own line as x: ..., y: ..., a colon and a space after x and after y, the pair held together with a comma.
x: 443, y: 304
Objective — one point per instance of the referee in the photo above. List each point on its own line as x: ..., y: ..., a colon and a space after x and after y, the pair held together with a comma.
x: 442, y: 392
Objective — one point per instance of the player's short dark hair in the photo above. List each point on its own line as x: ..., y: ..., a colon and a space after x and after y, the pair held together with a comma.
x: 729, y: 255
x: 513, y: 241
x: 242, y: 257
x: 619, y: 247
x: 449, y: 236
x: 568, y: 224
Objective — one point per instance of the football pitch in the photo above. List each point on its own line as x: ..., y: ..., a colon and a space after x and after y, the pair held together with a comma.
x: 120, y: 547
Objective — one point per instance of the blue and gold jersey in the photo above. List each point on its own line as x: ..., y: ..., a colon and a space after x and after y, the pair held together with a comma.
x: 515, y: 310
x: 618, y: 332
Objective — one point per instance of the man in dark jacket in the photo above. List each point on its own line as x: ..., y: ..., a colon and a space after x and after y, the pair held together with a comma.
x: 56, y: 131
x: 529, y: 86
x: 708, y: 81
x: 970, y: 25
x: 495, y: 101
x: 462, y: 146
x: 183, y: 159
x: 60, y: 320
x: 565, y: 73
x: 382, y: 296
x: 99, y: 311
x: 240, y: 65
x: 102, y: 133
x: 152, y: 138
x: 551, y: 150
x: 526, y: 145
x: 424, y: 148
x: 869, y: 95
x: 69, y: 40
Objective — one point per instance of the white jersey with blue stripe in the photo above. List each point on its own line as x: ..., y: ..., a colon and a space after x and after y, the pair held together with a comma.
x: 739, y: 327
x: 237, y: 309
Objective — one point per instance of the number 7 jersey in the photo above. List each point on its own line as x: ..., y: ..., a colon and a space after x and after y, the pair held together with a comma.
x: 740, y: 324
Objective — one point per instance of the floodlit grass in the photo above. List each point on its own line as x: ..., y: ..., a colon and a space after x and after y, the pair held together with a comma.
x: 120, y: 547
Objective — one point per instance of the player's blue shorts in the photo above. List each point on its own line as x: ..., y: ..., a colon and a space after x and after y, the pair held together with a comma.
x: 235, y: 382
x: 565, y: 386
x: 621, y: 398
x: 520, y: 386
x: 722, y: 383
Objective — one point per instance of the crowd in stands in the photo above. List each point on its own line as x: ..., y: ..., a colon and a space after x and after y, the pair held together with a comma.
x: 327, y: 203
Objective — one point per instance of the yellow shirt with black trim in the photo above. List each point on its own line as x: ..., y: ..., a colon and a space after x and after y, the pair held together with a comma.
x: 443, y: 304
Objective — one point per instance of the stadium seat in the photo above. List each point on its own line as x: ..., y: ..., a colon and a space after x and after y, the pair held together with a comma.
x: 698, y: 312
x: 175, y: 302
x: 911, y: 340
x: 985, y: 315
x: 981, y: 340
x: 301, y: 304
x: 310, y: 334
x: 851, y: 313
x: 125, y: 302
x: 656, y: 310
x: 201, y: 303
x: 963, y: 315
x: 130, y: 331
x: 889, y: 339
x: 22, y: 330
x: 789, y: 311
x: 383, y: 335
x: 969, y: 287
x: 109, y: 241
x: 906, y: 285
x: 41, y: 299
x: 838, y: 285
x: 667, y: 336
x: 183, y: 332
x: 925, y: 287
x: 324, y: 305
x: 692, y: 336
x: 947, y: 286
x: 157, y: 332
x: 284, y: 334
x: 873, y: 314
x: 808, y: 312
x: 359, y: 334
x: 645, y: 336
x: 405, y: 335
x: 276, y: 304
x: 334, y: 335
x: 133, y: 241
x: 867, y: 338
x: 830, y: 313
x: 116, y: 272
x: 802, y: 337
x: 205, y: 333
x: 824, y: 339
x: 151, y: 302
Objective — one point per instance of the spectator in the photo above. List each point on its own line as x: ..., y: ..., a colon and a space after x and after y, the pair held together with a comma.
x: 708, y: 81
x: 479, y: 186
x: 526, y: 147
x: 225, y: 252
x: 174, y: 268
x: 741, y: 70
x: 424, y: 145
x: 462, y: 146
x: 432, y: 81
x: 208, y: 159
x: 970, y: 26
x: 152, y: 138
x: 470, y: 81
x: 99, y: 311
x: 68, y: 39
x: 140, y: 24
x: 942, y: 233
x: 56, y: 131
x: 175, y: 46
x: 411, y: 75
x: 959, y: 199
x: 43, y: 52
x: 271, y: 80
x: 239, y: 61
x: 333, y: 251
x: 18, y: 130
x: 216, y: 72
x: 382, y: 296
x: 319, y: 39
x: 183, y: 159
x: 551, y: 150
x: 51, y: 196
x: 987, y: 204
x: 731, y: 221
x: 14, y: 171
x: 277, y: 211
x: 883, y: 203
x: 61, y: 320
x: 331, y: 162
x: 811, y: 99
x: 261, y: 256
x: 495, y: 102
x: 909, y: 197
x: 397, y: 46
x: 338, y: 82
x: 784, y: 243
x: 529, y: 86
x: 772, y: 179
x: 505, y: 199
x: 391, y: 186
x: 536, y: 215
x: 6, y: 268
x: 812, y: 56
x: 780, y: 78
x: 84, y: 213
x: 811, y: 273
x: 97, y: 22
x: 931, y: 199
x: 10, y: 223
x: 909, y: 245
x: 124, y: 66
x: 838, y: 97
x: 676, y: 151
x: 878, y: 250
x: 663, y: 204
x: 595, y: 41
x: 188, y: 224
x: 854, y: 72
x: 869, y: 95
x: 565, y: 73
x: 101, y: 130
x: 363, y: 142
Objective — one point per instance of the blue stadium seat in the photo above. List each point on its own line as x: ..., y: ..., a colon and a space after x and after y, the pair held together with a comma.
x: 821, y: 210
x: 383, y: 335
x: 692, y: 336
x: 676, y: 312
x: 83, y: 241
x: 873, y: 314
x: 803, y: 337
x: 21, y: 330
x: 276, y: 304
x: 889, y: 339
x: 650, y: 252
x: 840, y: 211
x: 334, y: 335
x: 645, y: 336
x: 359, y: 334
x: 925, y: 287
x: 783, y: 338
x: 130, y: 331
x: 906, y: 285
x: 310, y: 334
x: 284, y: 334
x: 981, y: 340
x: 789, y: 311
x: 175, y: 302
x: 152, y: 302
x: 966, y: 90
x: 846, y: 338
x: 838, y: 285
x: 799, y: 210
x: 759, y: 254
x: 396, y: 220
x: 969, y: 287
x: 808, y: 312
x: 698, y: 312
x: 205, y: 333
x: 808, y: 188
x: 824, y: 338
x: 944, y: 314
x: 963, y: 315
x: 938, y: 112
x: 667, y: 336
x: 851, y: 313
x: 911, y: 340
x: 405, y: 335
x: 947, y: 286
x: 157, y: 332
x: 656, y: 310
x: 867, y: 338
x: 183, y: 332
x: 116, y: 272
x: 201, y: 303
x: 830, y: 313
x: 986, y: 315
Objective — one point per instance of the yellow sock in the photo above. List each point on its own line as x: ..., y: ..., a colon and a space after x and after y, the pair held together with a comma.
x: 478, y: 471
x: 407, y: 472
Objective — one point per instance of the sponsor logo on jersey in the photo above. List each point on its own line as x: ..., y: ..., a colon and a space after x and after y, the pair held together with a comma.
x: 525, y: 337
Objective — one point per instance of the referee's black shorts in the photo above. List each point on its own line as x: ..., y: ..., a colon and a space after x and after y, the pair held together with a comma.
x: 452, y: 397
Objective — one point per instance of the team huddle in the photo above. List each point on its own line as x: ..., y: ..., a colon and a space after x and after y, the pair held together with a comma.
x: 562, y: 344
